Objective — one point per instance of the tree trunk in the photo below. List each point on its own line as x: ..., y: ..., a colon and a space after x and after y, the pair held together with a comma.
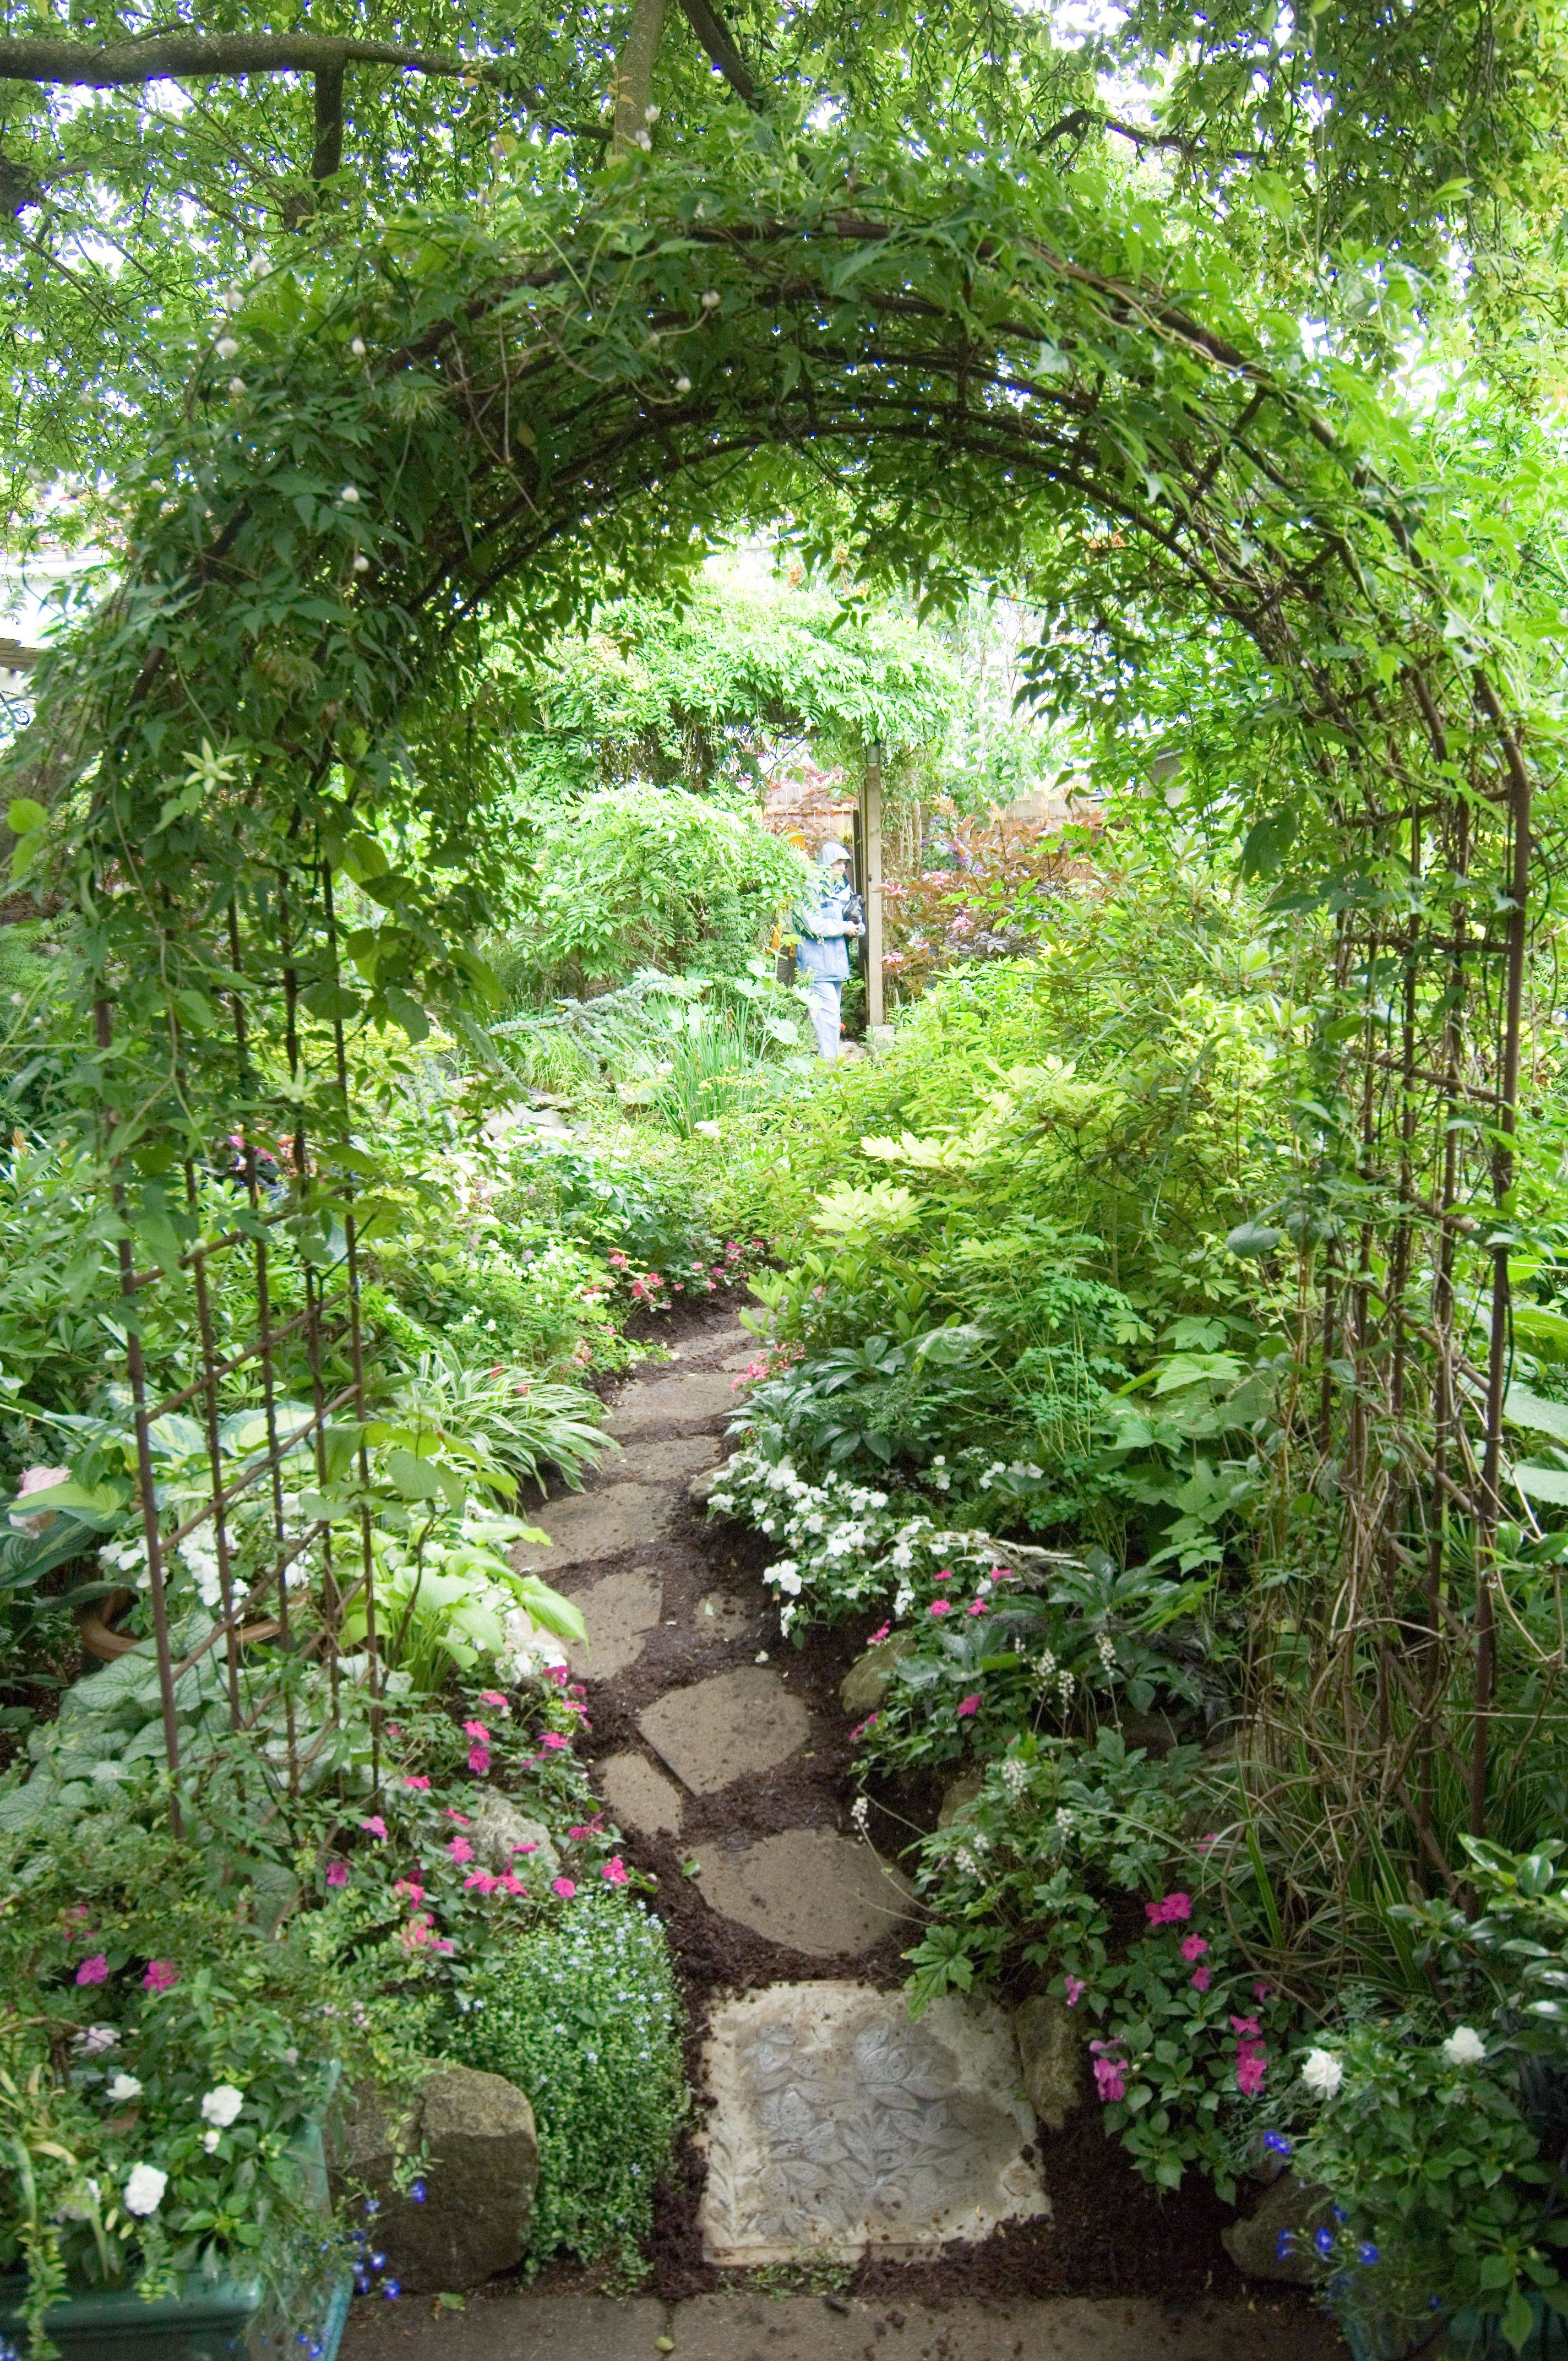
x: 633, y: 84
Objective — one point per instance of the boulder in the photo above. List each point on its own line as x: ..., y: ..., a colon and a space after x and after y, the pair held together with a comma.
x: 702, y: 1486
x: 481, y: 2169
x: 869, y: 1678
x: 1050, y: 2050
x: 496, y: 1830
x: 1275, y: 2240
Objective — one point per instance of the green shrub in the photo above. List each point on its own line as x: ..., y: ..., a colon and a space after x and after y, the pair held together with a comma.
x: 582, y: 2015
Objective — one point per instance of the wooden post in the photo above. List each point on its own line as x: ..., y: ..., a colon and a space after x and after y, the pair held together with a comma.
x: 871, y: 844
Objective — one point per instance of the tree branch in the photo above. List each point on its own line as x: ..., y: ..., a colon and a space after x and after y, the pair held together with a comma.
x: 719, y: 42
x: 175, y: 57
x: 328, y: 153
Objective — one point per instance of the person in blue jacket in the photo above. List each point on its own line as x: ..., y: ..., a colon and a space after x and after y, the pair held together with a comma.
x: 825, y: 924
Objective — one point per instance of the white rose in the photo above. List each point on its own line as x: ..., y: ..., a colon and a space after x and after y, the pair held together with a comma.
x: 1464, y: 2047
x: 222, y: 2105
x: 124, y: 2086
x: 1322, y: 2072
x: 145, y: 2187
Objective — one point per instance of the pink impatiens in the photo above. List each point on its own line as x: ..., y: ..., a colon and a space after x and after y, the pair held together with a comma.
x: 563, y: 1887
x: 337, y: 1872
x: 614, y: 1871
x: 971, y: 1705
x: 941, y: 1607
x: 1075, y: 1989
x: 375, y: 1826
x: 1168, y: 1911
x: 160, y: 1974
x: 460, y: 1850
x: 1110, y: 2074
x: 92, y: 1970
x: 1193, y: 1947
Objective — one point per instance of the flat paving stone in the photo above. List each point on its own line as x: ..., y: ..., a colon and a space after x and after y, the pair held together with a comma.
x: 640, y: 1796
x: 587, y: 1526
x: 718, y: 1615
x: 696, y: 1398
x: 677, y: 1456
x: 810, y: 1889
x: 725, y: 1727
x: 511, y: 2324
x: 619, y: 1611
x: 841, y: 2124
x: 746, y: 1358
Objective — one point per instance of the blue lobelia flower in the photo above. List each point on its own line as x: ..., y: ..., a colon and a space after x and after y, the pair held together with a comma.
x: 1367, y: 2253
x: 1324, y: 2240
x: 1276, y: 2143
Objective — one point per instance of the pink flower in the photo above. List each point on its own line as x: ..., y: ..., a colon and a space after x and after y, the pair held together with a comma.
x: 879, y: 1636
x: 337, y: 1872
x: 513, y: 1884
x: 1248, y: 2027
x: 408, y: 1889
x: 460, y: 1850
x: 586, y: 1828
x: 1193, y: 1947
x: 481, y: 1881
x: 1075, y: 1988
x: 417, y: 1780
x: 476, y: 1730
x: 1204, y: 1842
x: 556, y: 1672
x: 861, y: 1728
x: 970, y: 1705
x: 530, y: 1847
x: 375, y: 1826
x: 478, y: 1757
x: 977, y: 1607
x: 614, y: 1871
x: 563, y: 1887
x: 1201, y: 1979
x: 1260, y: 1991
x: 495, y: 1700
x: 1110, y: 2078
x: 460, y: 1818
x: 616, y: 1261
x: 92, y: 1970
x: 160, y: 1974
x: 419, y: 1935
x: 553, y: 1743
x: 1003, y: 1574
x: 946, y: 1576
x: 941, y: 1607
x: 1252, y: 2066
x: 1167, y: 1912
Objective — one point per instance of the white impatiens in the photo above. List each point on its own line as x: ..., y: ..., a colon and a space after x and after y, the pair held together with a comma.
x: 123, y: 2087
x: 222, y: 2104
x: 95, y: 2038
x: 1464, y: 2047
x: 1322, y: 2072
x: 143, y: 2189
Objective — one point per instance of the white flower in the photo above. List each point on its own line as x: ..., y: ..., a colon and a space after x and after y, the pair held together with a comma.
x: 1464, y: 2047
x: 222, y: 2105
x: 349, y: 494
x: 683, y: 385
x: 649, y: 114
x: 145, y: 2187
x: 1322, y: 2072
x: 237, y: 387
x: 122, y: 2087
x: 712, y: 300
x: 644, y: 139
x: 227, y: 347
x: 97, y: 2039
x: 209, y: 2141
x: 358, y: 348
x: 361, y: 563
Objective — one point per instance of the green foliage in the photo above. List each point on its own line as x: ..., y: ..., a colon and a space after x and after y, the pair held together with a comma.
x: 655, y: 877
x: 583, y: 2015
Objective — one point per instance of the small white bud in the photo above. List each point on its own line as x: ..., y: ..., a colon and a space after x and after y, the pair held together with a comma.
x: 227, y: 347
x: 649, y: 114
x: 683, y: 385
x: 361, y: 564
x: 644, y: 139
x: 358, y: 348
x: 237, y: 387
x: 350, y: 494
x: 712, y: 300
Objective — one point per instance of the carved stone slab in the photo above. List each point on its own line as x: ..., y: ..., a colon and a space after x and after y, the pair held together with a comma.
x: 841, y: 2125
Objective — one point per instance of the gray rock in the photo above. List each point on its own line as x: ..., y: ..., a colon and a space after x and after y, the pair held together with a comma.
x: 1050, y: 2050
x: 619, y: 1610
x: 959, y: 1793
x: 639, y: 1797
x: 1252, y: 2244
x: 497, y: 1827
x: 725, y: 1727
x: 701, y: 1488
x: 589, y: 1526
x: 481, y: 2171
x: 808, y: 1889
x: 869, y: 1678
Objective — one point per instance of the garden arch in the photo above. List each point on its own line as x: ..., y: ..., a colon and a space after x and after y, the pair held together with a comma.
x: 522, y: 409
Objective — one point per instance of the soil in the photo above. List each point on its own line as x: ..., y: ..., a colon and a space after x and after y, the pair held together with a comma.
x: 1109, y: 2233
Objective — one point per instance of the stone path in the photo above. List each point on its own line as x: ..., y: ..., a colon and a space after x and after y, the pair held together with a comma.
x: 833, y: 2128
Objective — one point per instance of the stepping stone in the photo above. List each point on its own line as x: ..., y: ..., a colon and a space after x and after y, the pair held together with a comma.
x: 682, y: 1455
x: 587, y: 1526
x: 639, y: 1797
x: 809, y: 1889
x: 722, y: 1729
x: 745, y: 1360
x: 841, y: 2125
x: 695, y: 1399
x: 619, y: 1611
x: 720, y: 1616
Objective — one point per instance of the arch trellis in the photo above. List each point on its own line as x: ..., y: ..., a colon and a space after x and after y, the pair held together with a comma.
x: 515, y: 412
